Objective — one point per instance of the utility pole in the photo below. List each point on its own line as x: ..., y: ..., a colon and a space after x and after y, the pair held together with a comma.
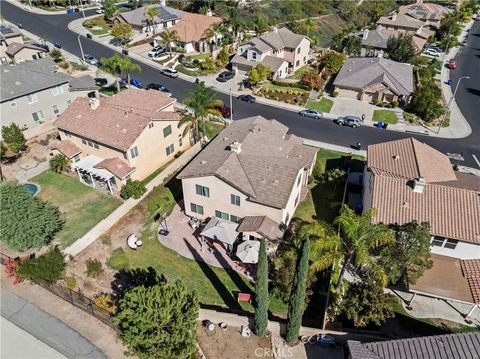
x: 450, y: 101
x: 80, y: 5
x: 81, y: 49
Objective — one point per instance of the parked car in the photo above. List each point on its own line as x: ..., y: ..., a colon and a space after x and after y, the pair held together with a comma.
x: 433, y: 46
x: 311, y: 113
x: 158, y: 87
x: 156, y: 51
x: 247, y: 98
x: 100, y: 10
x: 169, y: 72
x: 225, y: 76
x: 226, y: 111
x: 89, y: 59
x: 432, y: 52
x: 464, y: 42
x: 101, y: 81
x: 452, y: 64
x: 43, y: 46
x: 119, y: 41
x: 57, y: 45
x: 351, y: 121
x: 136, y: 83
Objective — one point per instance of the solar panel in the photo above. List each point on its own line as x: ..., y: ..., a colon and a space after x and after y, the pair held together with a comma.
x: 5, y: 30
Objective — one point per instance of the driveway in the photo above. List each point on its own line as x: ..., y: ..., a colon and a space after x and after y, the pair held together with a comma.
x: 343, y: 106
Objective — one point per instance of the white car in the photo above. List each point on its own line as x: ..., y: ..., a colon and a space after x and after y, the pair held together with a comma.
x: 100, y: 10
x: 432, y: 52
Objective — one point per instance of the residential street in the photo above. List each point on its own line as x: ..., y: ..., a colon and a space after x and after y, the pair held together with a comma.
x: 55, y: 28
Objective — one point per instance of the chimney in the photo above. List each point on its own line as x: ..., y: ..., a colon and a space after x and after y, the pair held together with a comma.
x: 394, y: 17
x: 419, y: 30
x: 236, y: 147
x: 419, y: 184
x: 365, y: 34
x: 94, y: 103
x: 209, y: 12
x: 275, y: 29
x: 163, y: 2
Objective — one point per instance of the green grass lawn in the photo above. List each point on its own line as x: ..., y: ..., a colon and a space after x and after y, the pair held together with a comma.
x: 183, y: 70
x: 100, y: 22
x: 323, y: 200
x: 298, y: 74
x: 213, y: 285
x: 163, y: 61
x: 323, y: 105
x: 82, y: 206
x: 385, y: 116
x: 211, y: 128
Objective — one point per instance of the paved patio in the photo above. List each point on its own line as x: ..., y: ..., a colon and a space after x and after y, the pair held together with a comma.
x: 187, y: 242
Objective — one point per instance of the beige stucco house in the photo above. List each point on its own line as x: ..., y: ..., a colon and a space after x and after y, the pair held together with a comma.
x: 13, y: 48
x: 127, y: 136
x: 254, y: 173
x: 281, y: 50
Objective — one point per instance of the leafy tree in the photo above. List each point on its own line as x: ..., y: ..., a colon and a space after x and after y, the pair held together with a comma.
x: 400, y: 48
x: 425, y: 102
x: 3, y: 150
x: 282, y: 276
x: 113, y: 66
x: 449, y: 25
x: 309, y: 25
x: 56, y: 55
x: 135, y: 189
x: 333, y: 61
x: 296, y: 303
x: 448, y: 42
x: 26, y: 222
x: 13, y: 138
x: 352, y: 45
x: 110, y: 9
x: 49, y: 267
x: 167, y: 37
x: 312, y: 79
x: 59, y: 163
x: 223, y: 57
x: 359, y: 237
x: 150, y: 14
x: 261, y: 291
x: 127, y: 66
x: 208, y: 64
x: 260, y: 25
x: 409, y: 257
x: 121, y: 30
x: 159, y: 321
x: 259, y: 73
x: 236, y: 22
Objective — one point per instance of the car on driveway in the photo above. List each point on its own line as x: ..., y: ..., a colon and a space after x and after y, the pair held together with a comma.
x: 156, y: 51
x: 452, y: 64
x: 247, y: 98
x: 169, y: 72
x: 350, y: 121
x: 89, y: 59
x: 311, y: 113
x: 432, y: 46
x: 225, y: 76
x: 119, y: 41
x: 101, y: 81
x: 100, y: 10
x: 158, y: 87
x: 432, y: 52
x: 136, y: 83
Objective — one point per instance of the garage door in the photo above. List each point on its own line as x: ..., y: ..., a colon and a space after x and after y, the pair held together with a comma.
x: 368, y: 97
x: 242, y: 67
x: 348, y: 93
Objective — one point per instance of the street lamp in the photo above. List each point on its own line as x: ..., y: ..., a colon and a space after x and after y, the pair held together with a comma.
x: 231, y: 106
x: 81, y: 49
x: 80, y: 5
x: 450, y: 101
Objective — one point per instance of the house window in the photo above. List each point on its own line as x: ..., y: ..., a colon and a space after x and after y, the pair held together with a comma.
x: 13, y: 103
x: 84, y: 141
x: 438, y: 241
x: 134, y: 152
x: 296, y: 200
x: 90, y: 143
x: 299, y: 179
x: 96, y: 145
x: 254, y: 55
x: 287, y: 218
x: 298, y: 50
x: 170, y: 149
x: 67, y: 134
x: 180, y: 140
x: 55, y: 109
x: 304, y: 59
x: 76, y: 158
x: 196, y: 208
x: 55, y: 91
x: 202, y: 190
x: 222, y: 215
x: 235, y: 200
x: 150, y: 125
x: 451, y: 243
x: 167, y: 131
x: 297, y: 63
x: 234, y: 218
x: 32, y: 98
x: 165, y: 25
x: 38, y: 116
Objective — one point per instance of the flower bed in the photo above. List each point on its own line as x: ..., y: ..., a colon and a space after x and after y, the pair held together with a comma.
x: 290, y: 95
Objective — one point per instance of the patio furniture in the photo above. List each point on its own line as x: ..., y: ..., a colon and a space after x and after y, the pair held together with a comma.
x: 244, y: 297
x: 247, y: 251
x: 133, y: 242
x: 223, y: 325
x: 245, y: 331
x: 194, y: 222
x: 221, y: 230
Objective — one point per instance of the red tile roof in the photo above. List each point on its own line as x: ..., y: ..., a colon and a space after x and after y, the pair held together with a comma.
x: 471, y: 271
x: 68, y: 148
x: 116, y: 166
x: 191, y: 27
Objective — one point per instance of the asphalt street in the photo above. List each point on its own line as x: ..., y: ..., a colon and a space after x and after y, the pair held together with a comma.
x: 55, y: 28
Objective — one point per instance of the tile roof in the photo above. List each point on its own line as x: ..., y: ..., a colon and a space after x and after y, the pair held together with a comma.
x: 118, y: 120
x: 116, y: 166
x: 373, y: 38
x: 68, y: 148
x: 424, y: 11
x: 400, y: 20
x: 136, y: 17
x: 262, y: 225
x: 191, y: 27
x: 282, y: 38
x: 14, y: 48
x: 9, y: 31
x: 449, y: 346
x: 417, y: 40
x: 267, y: 165
x: 82, y: 83
x: 471, y: 271
x: 272, y: 62
x: 362, y: 72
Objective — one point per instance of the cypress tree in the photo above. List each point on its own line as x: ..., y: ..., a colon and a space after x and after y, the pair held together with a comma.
x: 261, y: 291
x: 296, y: 302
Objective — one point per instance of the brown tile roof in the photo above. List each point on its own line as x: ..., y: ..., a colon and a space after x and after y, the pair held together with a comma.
x: 417, y: 41
x: 191, y: 27
x: 266, y: 167
x: 471, y: 271
x: 118, y: 120
x: 400, y: 20
x: 262, y: 225
x: 14, y: 48
x: 68, y: 148
x: 116, y: 166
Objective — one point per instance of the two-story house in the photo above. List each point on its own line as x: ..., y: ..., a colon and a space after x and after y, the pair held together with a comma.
x: 254, y: 172
x: 127, y: 136
x: 407, y: 180
x: 33, y: 92
x: 281, y: 50
x: 14, y: 49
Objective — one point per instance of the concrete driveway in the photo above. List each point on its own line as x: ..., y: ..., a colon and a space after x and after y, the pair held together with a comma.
x: 345, y: 106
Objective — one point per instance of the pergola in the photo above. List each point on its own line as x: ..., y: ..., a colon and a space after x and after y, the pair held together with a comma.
x: 87, y: 166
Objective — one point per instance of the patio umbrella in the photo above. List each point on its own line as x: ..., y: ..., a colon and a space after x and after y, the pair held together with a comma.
x: 247, y: 251
x: 221, y: 230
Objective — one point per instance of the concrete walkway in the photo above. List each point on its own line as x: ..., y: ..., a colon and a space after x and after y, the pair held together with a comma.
x: 46, y: 328
x: 104, y: 225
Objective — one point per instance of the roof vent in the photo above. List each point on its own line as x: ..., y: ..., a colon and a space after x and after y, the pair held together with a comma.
x: 94, y: 103
x: 405, y: 204
x: 236, y: 147
x: 225, y: 138
x: 419, y: 185
x: 275, y: 181
x: 203, y: 162
x: 396, y: 157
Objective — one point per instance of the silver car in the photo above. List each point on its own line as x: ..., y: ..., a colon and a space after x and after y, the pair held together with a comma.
x: 89, y: 59
x: 351, y: 121
x: 311, y: 113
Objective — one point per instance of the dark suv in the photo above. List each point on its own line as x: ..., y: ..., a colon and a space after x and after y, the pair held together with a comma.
x: 351, y: 121
x: 225, y: 76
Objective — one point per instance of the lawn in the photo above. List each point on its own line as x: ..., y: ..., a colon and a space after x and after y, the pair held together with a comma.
x: 214, y: 285
x: 270, y: 86
x: 211, y: 128
x: 323, y: 105
x: 385, y: 116
x: 183, y: 70
x: 98, y: 21
x: 324, y: 200
x: 163, y: 61
x: 297, y: 75
x: 82, y: 206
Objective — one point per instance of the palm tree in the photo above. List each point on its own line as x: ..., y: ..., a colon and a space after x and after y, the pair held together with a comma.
x: 202, y: 98
x: 309, y: 24
x: 213, y: 32
x: 113, y: 66
x: 167, y: 37
x: 127, y: 66
x: 260, y: 25
x: 236, y: 23
x: 150, y: 14
x: 359, y: 236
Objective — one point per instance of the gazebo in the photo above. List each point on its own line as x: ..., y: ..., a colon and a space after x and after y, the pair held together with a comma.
x: 221, y: 230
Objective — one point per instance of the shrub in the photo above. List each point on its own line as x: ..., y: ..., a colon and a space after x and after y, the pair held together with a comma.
x: 11, y: 268
x: 291, y: 84
x: 64, y: 65
x: 178, y: 154
x: 13, y: 138
x: 118, y: 260
x: 106, y: 240
x: 78, y: 67
x: 335, y: 93
x: 395, y: 103
x: 49, y: 267
x: 71, y: 283
x: 376, y: 102
x: 59, y: 163
x: 94, y: 268
x: 135, y: 189
x: 56, y: 55
x: 105, y: 301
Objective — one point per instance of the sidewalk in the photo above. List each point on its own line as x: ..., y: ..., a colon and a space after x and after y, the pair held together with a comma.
x: 36, y: 10
x: 105, y: 224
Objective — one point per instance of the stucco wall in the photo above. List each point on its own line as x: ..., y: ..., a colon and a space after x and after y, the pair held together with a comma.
x: 302, y: 57
x: 463, y: 250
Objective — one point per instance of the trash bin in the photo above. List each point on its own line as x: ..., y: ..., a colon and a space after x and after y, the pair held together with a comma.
x: 71, y: 11
x: 89, y: 36
x: 379, y: 124
x: 125, y: 51
x: 385, y: 126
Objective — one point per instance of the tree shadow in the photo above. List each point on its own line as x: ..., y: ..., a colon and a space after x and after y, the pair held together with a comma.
x: 174, y: 185
x: 233, y: 274
x: 226, y: 295
x: 131, y: 278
